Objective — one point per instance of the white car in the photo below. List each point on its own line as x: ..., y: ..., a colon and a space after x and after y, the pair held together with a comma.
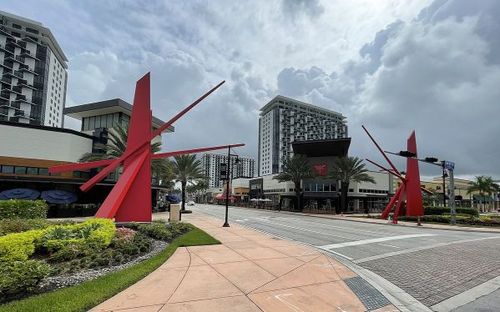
x: 190, y: 203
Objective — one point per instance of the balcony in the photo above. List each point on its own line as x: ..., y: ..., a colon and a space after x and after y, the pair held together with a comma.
x: 24, y: 84
x: 7, y: 65
x: 24, y: 67
x: 19, y: 113
x: 27, y: 53
x: 4, y: 111
x: 6, y: 79
x: 18, y: 74
x: 4, y: 49
x: 5, y: 95
x: 24, y: 100
x: 17, y: 89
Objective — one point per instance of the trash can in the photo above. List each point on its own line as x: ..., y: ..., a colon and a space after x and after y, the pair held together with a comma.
x: 175, y: 212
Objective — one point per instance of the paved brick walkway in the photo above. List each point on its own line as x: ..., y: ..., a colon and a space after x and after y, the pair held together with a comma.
x: 250, y: 271
x: 432, y: 276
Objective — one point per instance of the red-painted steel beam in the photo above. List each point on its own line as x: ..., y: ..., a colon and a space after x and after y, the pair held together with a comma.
x: 194, y: 151
x: 111, y: 167
x: 391, y: 203
x: 381, y: 151
x: 80, y: 166
x: 388, y: 170
x: 184, y: 111
x: 401, y: 199
x: 115, y: 198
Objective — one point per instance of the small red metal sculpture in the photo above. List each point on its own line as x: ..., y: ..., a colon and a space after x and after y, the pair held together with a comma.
x: 130, y: 198
x: 409, y: 192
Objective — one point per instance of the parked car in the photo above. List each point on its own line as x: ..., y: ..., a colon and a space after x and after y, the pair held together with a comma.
x: 190, y: 203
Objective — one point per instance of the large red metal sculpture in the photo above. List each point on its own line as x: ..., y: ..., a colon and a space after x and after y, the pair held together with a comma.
x: 130, y: 198
x: 409, y: 192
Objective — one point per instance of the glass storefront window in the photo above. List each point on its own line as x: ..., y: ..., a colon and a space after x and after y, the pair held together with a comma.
x: 91, y: 123
x: 20, y: 170
x: 32, y: 171
x: 7, y: 169
x: 43, y: 171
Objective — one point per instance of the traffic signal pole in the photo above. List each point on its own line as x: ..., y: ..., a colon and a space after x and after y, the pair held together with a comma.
x: 226, y: 223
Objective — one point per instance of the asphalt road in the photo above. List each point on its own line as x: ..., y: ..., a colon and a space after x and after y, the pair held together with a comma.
x: 439, y: 268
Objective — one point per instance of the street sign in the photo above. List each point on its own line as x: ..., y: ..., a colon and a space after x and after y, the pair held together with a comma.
x: 449, y: 165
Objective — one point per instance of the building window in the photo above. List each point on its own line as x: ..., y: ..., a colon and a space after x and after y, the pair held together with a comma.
x: 32, y: 171
x: 31, y: 30
x: 43, y: 171
x: 7, y: 169
x: 20, y: 170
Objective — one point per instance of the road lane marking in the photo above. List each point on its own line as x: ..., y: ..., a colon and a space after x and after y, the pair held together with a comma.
x: 389, y: 245
x: 373, y: 240
x: 468, y: 296
x: 304, y: 230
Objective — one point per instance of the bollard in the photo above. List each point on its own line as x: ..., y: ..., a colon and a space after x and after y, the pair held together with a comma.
x: 175, y: 213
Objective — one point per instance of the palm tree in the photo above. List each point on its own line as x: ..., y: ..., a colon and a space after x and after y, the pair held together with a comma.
x: 345, y: 170
x: 187, y: 169
x: 483, y: 185
x: 115, y: 147
x: 296, y: 169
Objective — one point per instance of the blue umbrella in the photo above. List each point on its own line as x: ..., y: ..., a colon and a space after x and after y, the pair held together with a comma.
x: 173, y: 199
x: 59, y: 197
x: 19, y: 193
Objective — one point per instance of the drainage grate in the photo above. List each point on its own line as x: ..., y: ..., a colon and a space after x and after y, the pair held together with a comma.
x: 369, y: 295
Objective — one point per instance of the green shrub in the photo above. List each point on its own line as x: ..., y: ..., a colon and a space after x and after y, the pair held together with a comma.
x: 21, y: 277
x: 156, y: 230
x: 8, y: 226
x: 93, y: 233
x: 70, y: 252
x: 163, y: 231
x: 23, y: 209
x: 437, y: 211
x: 18, y: 246
x: 140, y: 243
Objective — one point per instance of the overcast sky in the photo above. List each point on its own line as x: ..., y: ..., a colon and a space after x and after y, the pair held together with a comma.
x: 394, y: 66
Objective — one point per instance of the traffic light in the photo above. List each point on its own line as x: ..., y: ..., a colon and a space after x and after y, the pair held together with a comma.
x: 223, y: 171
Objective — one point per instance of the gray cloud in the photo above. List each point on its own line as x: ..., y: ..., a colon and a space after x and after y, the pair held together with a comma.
x: 392, y: 66
x: 295, y: 8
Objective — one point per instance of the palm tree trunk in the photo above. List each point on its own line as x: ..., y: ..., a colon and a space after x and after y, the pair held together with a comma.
x: 183, y: 189
x: 297, y: 194
x: 343, y: 196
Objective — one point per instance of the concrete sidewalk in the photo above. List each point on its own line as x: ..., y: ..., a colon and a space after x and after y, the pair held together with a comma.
x: 249, y: 271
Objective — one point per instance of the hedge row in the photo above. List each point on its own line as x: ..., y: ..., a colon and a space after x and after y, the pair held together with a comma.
x: 23, y: 209
x: 96, y: 233
x: 438, y: 211
x: 460, y: 219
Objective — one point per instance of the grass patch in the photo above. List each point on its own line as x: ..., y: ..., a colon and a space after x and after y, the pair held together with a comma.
x: 87, y: 295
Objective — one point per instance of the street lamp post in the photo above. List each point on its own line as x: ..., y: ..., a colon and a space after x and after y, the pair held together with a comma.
x: 228, y: 181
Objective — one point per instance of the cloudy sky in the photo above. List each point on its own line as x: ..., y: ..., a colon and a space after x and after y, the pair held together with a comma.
x: 392, y: 65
